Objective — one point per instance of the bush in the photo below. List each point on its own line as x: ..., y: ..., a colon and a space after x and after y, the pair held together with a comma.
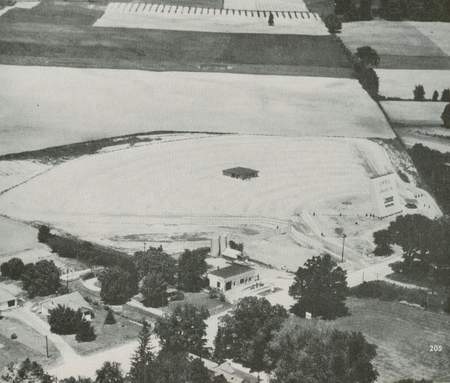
x: 13, y: 336
x: 386, y: 291
x: 43, y: 234
x: 178, y: 296
x: 85, y: 332
x: 110, y: 319
x: 435, y: 95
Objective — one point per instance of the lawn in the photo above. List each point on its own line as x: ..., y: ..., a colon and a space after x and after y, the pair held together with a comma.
x: 61, y: 34
x: 403, y: 335
x: 107, y: 335
x: 29, y: 344
x: 200, y: 299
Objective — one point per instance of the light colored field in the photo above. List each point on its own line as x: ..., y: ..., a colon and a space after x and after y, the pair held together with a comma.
x: 266, y: 5
x: 19, y: 4
x: 438, y: 32
x: 45, y: 106
x: 185, y: 179
x: 434, y: 138
x: 414, y: 113
x: 389, y: 38
x: 15, y: 172
x: 179, y: 18
x: 401, y: 82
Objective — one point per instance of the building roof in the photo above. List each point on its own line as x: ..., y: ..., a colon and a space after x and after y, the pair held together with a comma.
x: 231, y: 253
x: 5, y: 296
x: 231, y: 271
x: 73, y: 300
x: 241, y: 171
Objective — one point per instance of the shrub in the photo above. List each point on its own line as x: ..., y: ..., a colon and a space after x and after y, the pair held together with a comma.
x: 13, y: 336
x: 445, y: 95
x: 43, y: 234
x: 178, y: 296
x: 85, y: 332
x: 435, y: 95
x: 110, y: 319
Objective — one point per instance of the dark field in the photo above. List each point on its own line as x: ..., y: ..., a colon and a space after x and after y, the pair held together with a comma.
x: 61, y: 34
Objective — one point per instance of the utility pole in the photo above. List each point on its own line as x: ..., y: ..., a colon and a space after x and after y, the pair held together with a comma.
x: 46, y: 346
x: 144, y: 246
x: 343, y: 246
x: 67, y: 279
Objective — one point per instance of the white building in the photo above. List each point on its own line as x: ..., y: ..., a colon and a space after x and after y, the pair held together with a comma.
x: 232, y: 277
x: 7, y: 300
x: 385, y: 197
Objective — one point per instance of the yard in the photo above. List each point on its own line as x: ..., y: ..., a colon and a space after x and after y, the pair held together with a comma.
x: 403, y: 335
x: 29, y: 344
x: 200, y: 299
x: 108, y: 336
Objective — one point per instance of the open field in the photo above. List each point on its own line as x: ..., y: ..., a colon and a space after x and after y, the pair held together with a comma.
x: 182, y: 18
x: 122, y: 102
x: 61, y: 34
x: 312, y: 169
x: 438, y: 32
x: 401, y: 82
x: 403, y: 335
x: 432, y: 137
x: 414, y: 113
x: 401, y: 45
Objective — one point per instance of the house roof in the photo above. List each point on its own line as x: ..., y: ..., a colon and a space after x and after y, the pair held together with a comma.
x: 5, y: 295
x: 73, y: 300
x: 230, y: 271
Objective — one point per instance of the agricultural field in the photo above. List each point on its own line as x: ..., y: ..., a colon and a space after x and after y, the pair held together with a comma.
x: 414, y: 113
x: 390, y: 326
x: 62, y: 34
x: 400, y: 83
x: 401, y: 45
x: 123, y: 102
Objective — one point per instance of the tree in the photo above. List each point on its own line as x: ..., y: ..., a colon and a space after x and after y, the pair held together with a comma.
x: 63, y: 320
x: 41, y: 278
x: 25, y: 372
x: 184, y: 330
x: 117, y: 285
x: 85, y: 332
x: 311, y: 352
x: 110, y: 372
x: 13, y: 268
x: 333, y: 24
x: 191, y: 269
x: 419, y: 93
x: 142, y: 361
x: 445, y: 95
x: 244, y: 335
x: 154, y: 290
x: 110, y: 319
x: 445, y: 116
x: 368, y: 56
x: 382, y: 241
x: 320, y: 287
x: 369, y: 81
x: 43, y: 233
x: 435, y: 95
x: 365, y: 10
x: 155, y: 260
x: 198, y: 372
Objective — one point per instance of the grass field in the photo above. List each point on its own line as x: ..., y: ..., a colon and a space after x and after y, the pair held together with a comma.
x: 61, y: 34
x: 123, y: 102
x: 414, y: 113
x: 403, y: 335
x: 401, y: 45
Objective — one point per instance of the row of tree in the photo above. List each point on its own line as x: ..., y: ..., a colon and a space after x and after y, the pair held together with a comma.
x: 156, y: 270
x: 419, y: 94
x: 39, y: 279
x: 425, y: 245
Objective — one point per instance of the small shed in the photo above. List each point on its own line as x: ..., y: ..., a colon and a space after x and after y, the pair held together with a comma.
x: 241, y: 173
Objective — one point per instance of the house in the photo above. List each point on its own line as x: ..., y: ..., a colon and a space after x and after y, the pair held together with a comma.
x: 240, y: 172
x: 7, y: 300
x: 232, y: 277
x: 73, y: 300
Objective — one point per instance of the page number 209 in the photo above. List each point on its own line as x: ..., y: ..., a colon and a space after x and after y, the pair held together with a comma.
x: 435, y: 348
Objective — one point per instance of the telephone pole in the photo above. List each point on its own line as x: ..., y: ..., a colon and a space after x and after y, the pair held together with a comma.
x: 343, y: 246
